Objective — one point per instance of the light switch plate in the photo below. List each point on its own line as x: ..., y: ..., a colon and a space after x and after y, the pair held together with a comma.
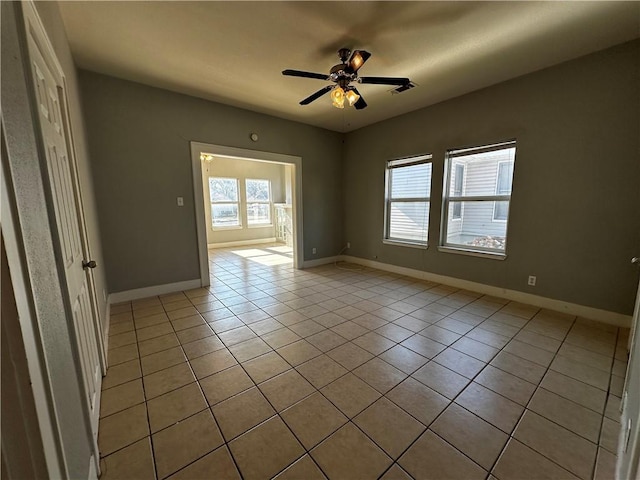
x: 180, y: 201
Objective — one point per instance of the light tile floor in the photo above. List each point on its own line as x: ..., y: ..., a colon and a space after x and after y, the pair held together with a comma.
x: 352, y: 373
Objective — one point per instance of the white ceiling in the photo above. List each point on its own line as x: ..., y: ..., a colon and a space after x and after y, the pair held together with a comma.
x: 233, y: 52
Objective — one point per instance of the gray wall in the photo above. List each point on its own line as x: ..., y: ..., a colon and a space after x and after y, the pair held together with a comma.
x: 241, y: 170
x: 575, y: 217
x: 139, y: 145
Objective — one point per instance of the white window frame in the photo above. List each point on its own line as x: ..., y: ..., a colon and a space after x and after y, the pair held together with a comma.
x: 269, y: 203
x: 450, y: 157
x: 399, y: 163
x: 493, y: 214
x: 238, y: 203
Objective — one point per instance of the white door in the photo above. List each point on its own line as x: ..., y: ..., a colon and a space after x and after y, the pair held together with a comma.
x: 629, y: 444
x: 71, y: 231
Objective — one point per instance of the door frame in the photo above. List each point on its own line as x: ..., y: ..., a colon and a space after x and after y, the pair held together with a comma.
x: 23, y: 452
x: 29, y: 250
x: 27, y: 312
x: 32, y: 18
x: 36, y: 32
x: 243, y: 154
x: 629, y: 439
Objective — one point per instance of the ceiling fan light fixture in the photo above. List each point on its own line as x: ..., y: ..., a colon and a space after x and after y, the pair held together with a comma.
x: 357, y: 60
x: 352, y: 97
x: 337, y: 97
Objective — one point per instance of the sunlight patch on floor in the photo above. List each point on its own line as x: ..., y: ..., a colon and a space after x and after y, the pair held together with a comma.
x: 269, y: 256
x: 271, y: 260
x: 282, y: 249
x: 251, y: 252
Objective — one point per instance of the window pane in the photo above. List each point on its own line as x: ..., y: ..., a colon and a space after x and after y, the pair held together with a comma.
x: 476, y: 229
x: 259, y: 213
x: 225, y: 215
x: 501, y: 210
x: 457, y: 211
x: 505, y: 178
x: 413, y: 181
x: 458, y: 187
x: 485, y: 174
x: 223, y: 189
x: 409, y: 221
x: 458, y: 180
x: 257, y: 190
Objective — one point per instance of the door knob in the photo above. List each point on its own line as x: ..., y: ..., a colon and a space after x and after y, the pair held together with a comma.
x: 89, y: 264
x: 635, y: 261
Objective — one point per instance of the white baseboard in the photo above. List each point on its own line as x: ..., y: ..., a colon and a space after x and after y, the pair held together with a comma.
x: 241, y: 243
x: 605, y: 316
x: 128, y: 295
x: 320, y: 261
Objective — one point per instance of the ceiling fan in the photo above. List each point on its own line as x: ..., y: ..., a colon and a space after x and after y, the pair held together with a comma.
x: 343, y: 75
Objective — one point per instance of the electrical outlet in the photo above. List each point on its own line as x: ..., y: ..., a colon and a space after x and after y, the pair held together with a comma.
x: 532, y: 281
x: 314, y: 251
x: 348, y: 244
x: 180, y: 201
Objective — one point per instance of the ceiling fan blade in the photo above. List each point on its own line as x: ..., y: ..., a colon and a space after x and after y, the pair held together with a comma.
x: 358, y: 57
x: 385, y: 80
x: 360, y: 104
x: 316, y: 95
x: 300, y: 73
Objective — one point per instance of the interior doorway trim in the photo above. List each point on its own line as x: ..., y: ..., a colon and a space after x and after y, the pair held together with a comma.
x: 243, y: 154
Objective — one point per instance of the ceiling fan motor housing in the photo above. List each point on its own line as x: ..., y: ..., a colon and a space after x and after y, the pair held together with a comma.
x: 339, y: 75
x: 344, y: 54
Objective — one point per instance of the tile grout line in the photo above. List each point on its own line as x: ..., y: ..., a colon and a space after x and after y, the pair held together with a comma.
x: 384, y: 395
x: 306, y: 452
x: 487, y: 363
x: 451, y: 401
x: 277, y: 414
x: 169, y: 391
x: 206, y: 400
x: 515, y: 427
x: 139, y: 359
x: 539, y: 386
x: 146, y: 406
x: 349, y: 420
x: 604, y: 413
x: 395, y: 343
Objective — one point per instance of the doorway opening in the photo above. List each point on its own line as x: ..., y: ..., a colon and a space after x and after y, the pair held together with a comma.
x: 248, y: 202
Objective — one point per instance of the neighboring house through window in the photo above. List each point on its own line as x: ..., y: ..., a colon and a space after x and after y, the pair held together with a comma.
x: 458, y: 184
x: 476, y: 198
x: 408, y: 195
x: 503, y: 187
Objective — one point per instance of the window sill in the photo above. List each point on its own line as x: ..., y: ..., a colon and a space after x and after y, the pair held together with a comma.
x: 473, y: 253
x: 399, y: 243
x: 265, y: 225
x: 235, y: 227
